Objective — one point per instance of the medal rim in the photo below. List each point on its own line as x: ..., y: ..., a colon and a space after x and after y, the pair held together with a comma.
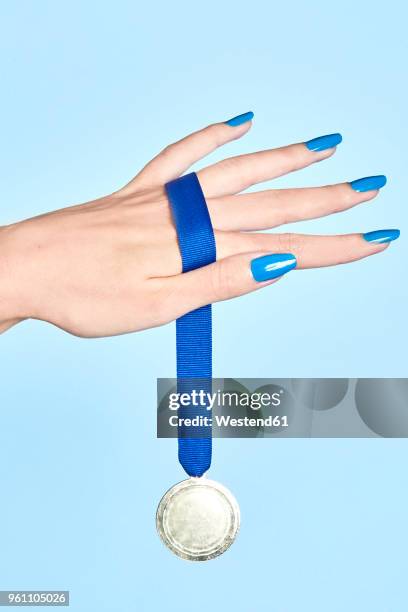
x: 191, y: 482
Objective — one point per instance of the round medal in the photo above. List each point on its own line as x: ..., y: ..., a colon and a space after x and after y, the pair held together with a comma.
x: 198, y: 519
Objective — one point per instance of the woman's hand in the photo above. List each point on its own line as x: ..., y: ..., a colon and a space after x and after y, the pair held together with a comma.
x: 113, y: 265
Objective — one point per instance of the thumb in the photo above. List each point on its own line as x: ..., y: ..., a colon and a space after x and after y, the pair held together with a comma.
x: 225, y: 279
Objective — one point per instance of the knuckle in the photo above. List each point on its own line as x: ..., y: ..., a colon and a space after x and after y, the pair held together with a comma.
x: 167, y: 151
x: 337, y: 197
x: 284, y: 211
x: 346, y: 195
x: 333, y: 197
x: 242, y: 167
x: 217, y: 280
x: 157, y: 303
x: 291, y: 243
x: 221, y: 281
x: 229, y: 165
x: 216, y: 134
x: 295, y: 156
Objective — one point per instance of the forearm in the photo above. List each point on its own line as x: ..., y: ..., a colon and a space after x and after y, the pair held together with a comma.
x: 13, y: 303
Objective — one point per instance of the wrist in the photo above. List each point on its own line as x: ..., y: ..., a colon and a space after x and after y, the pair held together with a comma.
x: 13, y: 298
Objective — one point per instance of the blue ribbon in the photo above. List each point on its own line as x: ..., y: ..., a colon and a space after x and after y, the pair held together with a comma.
x: 194, y: 342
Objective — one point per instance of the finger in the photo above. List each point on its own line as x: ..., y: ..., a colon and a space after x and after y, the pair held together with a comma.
x: 310, y: 251
x: 176, y: 158
x: 237, y: 274
x: 271, y: 208
x: 225, y: 279
x: 235, y: 174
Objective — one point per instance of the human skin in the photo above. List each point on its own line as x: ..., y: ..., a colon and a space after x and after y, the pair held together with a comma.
x: 112, y: 265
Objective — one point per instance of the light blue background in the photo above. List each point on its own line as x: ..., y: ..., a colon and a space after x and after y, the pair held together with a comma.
x: 90, y: 91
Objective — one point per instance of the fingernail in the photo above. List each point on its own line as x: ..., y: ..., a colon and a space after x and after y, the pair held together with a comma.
x: 382, y: 236
x: 268, y: 267
x: 324, y: 142
x: 240, y: 119
x: 368, y: 183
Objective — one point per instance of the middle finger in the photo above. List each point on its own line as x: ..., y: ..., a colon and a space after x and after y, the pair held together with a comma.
x: 235, y: 174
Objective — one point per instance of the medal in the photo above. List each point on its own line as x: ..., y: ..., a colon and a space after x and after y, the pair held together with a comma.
x: 198, y: 518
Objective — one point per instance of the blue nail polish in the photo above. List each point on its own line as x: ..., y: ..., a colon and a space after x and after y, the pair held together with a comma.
x: 240, y: 119
x: 268, y: 267
x: 368, y: 183
x: 382, y: 236
x: 324, y: 142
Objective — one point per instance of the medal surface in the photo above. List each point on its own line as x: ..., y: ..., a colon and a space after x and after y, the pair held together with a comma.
x: 198, y: 519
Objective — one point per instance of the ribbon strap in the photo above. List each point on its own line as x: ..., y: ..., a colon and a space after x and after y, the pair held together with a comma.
x: 194, y: 343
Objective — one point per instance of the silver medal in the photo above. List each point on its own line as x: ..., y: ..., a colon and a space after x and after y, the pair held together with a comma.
x: 198, y: 519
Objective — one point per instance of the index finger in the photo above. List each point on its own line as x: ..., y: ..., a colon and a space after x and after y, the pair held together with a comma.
x: 176, y: 158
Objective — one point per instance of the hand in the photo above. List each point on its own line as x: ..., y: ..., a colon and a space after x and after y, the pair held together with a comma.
x: 113, y: 265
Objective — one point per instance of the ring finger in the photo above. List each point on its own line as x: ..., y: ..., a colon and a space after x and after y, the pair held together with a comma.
x: 271, y: 208
x: 235, y: 174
